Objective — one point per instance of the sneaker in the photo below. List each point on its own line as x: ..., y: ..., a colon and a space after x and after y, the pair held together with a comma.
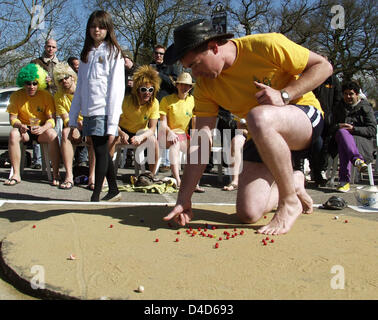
x: 112, y: 198
x: 36, y: 166
x: 361, y: 165
x: 343, y: 187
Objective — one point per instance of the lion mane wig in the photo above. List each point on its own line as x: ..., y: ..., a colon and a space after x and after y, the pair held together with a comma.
x: 32, y: 72
x: 143, y: 75
x: 61, y: 70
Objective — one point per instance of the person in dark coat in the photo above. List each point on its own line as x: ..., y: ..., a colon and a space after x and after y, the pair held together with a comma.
x: 329, y: 95
x: 167, y: 73
x: 353, y: 130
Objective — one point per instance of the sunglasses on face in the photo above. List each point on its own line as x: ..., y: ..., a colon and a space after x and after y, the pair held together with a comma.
x: 144, y: 89
x: 29, y: 83
x: 65, y: 78
x: 159, y: 53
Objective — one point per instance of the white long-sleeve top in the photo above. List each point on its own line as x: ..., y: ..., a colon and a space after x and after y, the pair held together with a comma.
x: 100, y: 87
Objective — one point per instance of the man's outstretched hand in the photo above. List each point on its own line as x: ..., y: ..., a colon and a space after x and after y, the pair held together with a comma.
x: 181, y: 214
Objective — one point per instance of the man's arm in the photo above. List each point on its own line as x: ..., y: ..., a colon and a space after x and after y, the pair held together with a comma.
x: 317, y: 70
x: 197, y: 160
x: 315, y: 73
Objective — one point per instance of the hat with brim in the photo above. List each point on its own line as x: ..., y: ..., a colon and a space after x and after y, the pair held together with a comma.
x: 184, y: 78
x: 190, y: 36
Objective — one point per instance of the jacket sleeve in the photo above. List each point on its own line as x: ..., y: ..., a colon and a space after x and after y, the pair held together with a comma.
x: 170, y: 74
x: 116, y: 92
x: 369, y: 129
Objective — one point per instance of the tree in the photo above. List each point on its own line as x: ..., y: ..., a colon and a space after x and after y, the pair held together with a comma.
x: 141, y: 24
x: 26, y: 25
x: 353, y: 46
x: 246, y: 17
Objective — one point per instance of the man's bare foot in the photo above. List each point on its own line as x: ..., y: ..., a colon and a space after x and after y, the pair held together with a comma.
x: 302, y: 194
x: 284, y: 218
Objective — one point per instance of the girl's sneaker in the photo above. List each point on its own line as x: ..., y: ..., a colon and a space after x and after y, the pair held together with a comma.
x: 343, y: 187
x: 361, y: 165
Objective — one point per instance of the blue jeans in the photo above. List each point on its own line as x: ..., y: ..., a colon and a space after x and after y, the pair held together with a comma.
x: 37, y: 157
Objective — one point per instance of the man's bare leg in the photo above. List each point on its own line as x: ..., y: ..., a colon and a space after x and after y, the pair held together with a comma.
x: 15, y: 153
x: 258, y: 193
x: 304, y: 197
x: 276, y: 130
x: 51, y: 138
x: 67, y: 154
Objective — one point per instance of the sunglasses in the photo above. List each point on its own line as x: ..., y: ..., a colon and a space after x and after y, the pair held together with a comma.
x: 144, y: 89
x: 65, y: 78
x: 159, y: 53
x: 29, y: 83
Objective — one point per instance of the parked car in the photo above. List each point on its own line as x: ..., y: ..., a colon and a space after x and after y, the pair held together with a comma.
x: 5, y: 126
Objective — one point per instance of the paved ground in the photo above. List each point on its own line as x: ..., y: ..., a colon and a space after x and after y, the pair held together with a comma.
x: 35, y: 187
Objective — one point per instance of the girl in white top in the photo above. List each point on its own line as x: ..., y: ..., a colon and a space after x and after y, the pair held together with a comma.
x: 99, y: 95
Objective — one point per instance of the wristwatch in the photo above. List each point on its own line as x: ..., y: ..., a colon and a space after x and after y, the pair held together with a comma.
x: 285, y: 97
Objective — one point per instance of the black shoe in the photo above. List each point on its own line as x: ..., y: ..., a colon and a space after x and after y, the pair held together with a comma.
x: 320, y: 182
x: 36, y: 166
x: 112, y: 197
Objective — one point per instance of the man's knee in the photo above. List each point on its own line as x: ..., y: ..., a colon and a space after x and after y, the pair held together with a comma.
x: 247, y: 213
x: 258, y: 119
x: 14, y: 135
x: 51, y: 135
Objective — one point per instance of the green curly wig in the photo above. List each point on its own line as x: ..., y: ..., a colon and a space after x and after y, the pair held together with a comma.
x: 32, y: 72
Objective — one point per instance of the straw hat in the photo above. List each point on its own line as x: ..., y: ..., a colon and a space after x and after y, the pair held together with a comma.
x: 184, y: 78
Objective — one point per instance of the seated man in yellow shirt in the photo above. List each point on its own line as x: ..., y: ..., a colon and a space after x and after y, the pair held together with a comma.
x: 65, y: 80
x: 140, y: 114
x: 31, y: 114
x: 267, y: 80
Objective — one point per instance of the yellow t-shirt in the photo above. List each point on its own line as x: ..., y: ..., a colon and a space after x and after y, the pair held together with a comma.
x: 270, y: 58
x: 179, y: 112
x: 63, y: 104
x: 134, y: 118
x: 40, y: 106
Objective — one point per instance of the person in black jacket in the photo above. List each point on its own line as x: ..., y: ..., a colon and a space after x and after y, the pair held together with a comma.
x: 167, y: 73
x: 329, y: 95
x: 354, y: 127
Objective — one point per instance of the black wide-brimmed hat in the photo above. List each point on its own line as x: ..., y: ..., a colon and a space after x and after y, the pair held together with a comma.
x: 189, y: 36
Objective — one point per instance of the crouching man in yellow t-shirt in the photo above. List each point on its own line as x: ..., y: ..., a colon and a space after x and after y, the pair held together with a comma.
x: 31, y: 114
x: 267, y: 80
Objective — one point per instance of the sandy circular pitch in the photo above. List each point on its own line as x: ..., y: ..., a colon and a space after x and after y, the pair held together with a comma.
x: 115, y: 251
